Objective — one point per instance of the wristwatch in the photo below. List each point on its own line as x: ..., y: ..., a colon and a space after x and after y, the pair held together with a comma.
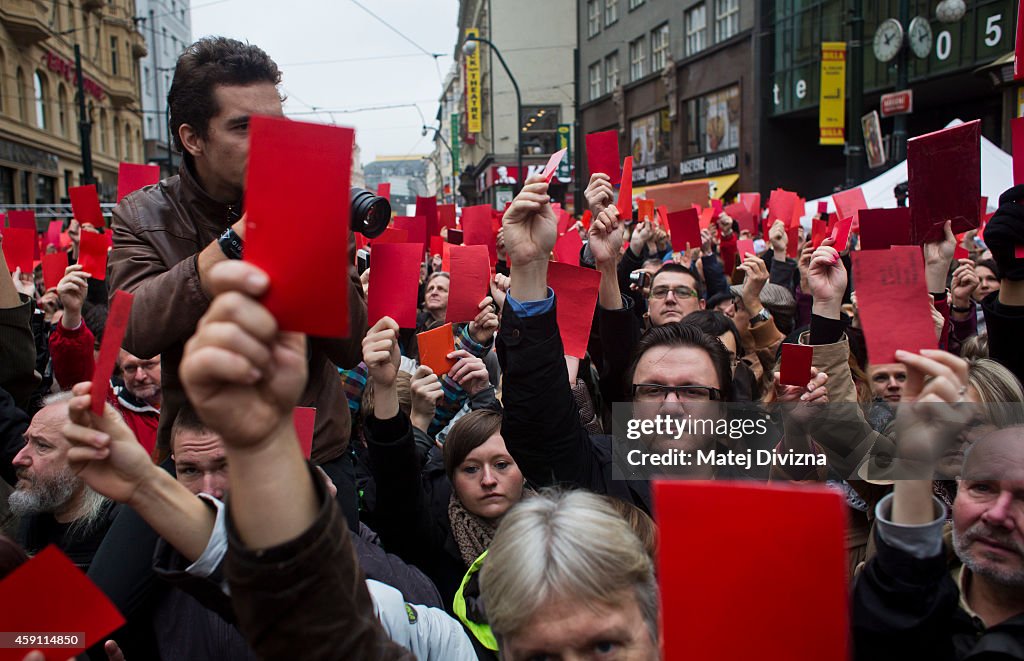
x: 763, y: 315
x: 231, y: 244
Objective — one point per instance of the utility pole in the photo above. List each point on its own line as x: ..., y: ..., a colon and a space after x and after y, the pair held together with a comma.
x: 579, y: 201
x: 855, y: 61
x: 899, y: 131
x: 84, y: 123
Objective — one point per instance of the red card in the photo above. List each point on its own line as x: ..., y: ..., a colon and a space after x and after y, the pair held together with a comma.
x: 133, y: 176
x: 793, y: 242
x: 887, y: 281
x: 455, y: 237
x: 436, y: 243
x: 684, y: 228
x: 662, y: 217
x: 1017, y: 132
x: 17, y: 247
x: 798, y: 212
x: 565, y: 221
x: 300, y: 170
x: 470, y: 274
x: 625, y: 201
x: 568, y: 246
x: 21, y: 219
x: 841, y: 234
x: 53, y: 233
x: 717, y: 208
x: 603, y: 154
x: 48, y: 593
x: 304, y: 419
x: 645, y: 210
x: 742, y: 215
x: 391, y: 235
x: 797, y: 535
x: 676, y: 197
x: 822, y: 208
x: 415, y: 226
x: 752, y: 201
x: 394, y: 283
x: 85, y: 204
x: 427, y: 208
x: 960, y: 252
x: 552, y: 166
x: 796, y: 365
x: 819, y: 230
x: 445, y: 216
x: 92, y: 254
x: 384, y: 190
x: 745, y: 247
x: 780, y: 207
x: 434, y: 346
x: 1018, y: 51
x: 944, y: 172
x: 881, y: 228
x: 1018, y: 252
x: 476, y: 229
x: 586, y: 219
x: 575, y: 290
x: 113, y: 335
x: 54, y: 265
x: 849, y: 202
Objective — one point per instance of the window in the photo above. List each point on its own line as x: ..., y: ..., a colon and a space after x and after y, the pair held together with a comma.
x: 696, y: 30
x: 39, y: 85
x: 113, y: 55
x: 727, y: 19
x: 117, y: 139
x: 611, y: 12
x: 7, y: 177
x: 3, y: 67
x: 650, y: 139
x: 595, y: 80
x: 103, y: 130
x: 593, y: 17
x: 637, y: 59
x: 21, y: 95
x: 659, y: 48
x: 539, y: 133
x: 633, y: 4
x: 147, y: 82
x: 128, y: 155
x: 611, y: 72
x: 713, y: 122
x: 46, y: 187
x: 62, y: 102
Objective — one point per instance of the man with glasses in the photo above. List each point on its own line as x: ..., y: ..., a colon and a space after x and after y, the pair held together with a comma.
x: 678, y: 368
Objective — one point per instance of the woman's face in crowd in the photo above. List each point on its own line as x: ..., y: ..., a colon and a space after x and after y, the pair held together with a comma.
x: 488, y: 482
x: 987, y: 283
x: 564, y: 628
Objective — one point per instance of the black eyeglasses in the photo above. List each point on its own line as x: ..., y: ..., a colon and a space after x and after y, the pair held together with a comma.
x: 682, y: 291
x: 656, y: 392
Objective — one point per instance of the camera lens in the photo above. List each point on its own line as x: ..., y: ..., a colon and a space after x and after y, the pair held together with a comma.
x: 370, y: 213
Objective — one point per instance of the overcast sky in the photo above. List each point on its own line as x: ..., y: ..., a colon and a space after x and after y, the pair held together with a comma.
x: 336, y: 56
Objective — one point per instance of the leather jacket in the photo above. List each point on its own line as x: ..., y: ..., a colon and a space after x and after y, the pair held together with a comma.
x: 158, y: 233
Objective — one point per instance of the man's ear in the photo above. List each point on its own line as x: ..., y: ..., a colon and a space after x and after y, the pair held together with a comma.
x: 190, y: 140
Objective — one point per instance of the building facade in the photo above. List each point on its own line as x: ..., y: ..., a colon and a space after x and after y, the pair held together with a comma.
x: 447, y: 142
x: 676, y: 80
x: 407, y: 176
x: 533, y: 37
x: 167, y: 28
x: 40, y: 146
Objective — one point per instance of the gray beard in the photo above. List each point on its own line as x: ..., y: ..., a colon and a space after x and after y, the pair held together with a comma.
x: 44, y: 497
x: 1002, y: 577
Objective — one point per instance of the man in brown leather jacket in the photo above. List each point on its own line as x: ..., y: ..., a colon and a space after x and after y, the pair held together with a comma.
x: 168, y: 236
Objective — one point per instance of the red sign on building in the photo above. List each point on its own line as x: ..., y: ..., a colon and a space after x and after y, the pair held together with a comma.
x: 897, y: 103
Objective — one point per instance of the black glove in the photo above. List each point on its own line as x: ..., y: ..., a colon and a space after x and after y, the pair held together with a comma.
x: 1005, y: 231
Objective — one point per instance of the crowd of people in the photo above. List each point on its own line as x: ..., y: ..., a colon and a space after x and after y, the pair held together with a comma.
x: 480, y: 513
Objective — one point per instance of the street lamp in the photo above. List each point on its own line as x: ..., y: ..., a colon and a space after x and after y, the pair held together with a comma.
x: 468, y: 48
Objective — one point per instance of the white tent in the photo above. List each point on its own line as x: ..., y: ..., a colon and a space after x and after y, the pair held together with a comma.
x: 996, y: 177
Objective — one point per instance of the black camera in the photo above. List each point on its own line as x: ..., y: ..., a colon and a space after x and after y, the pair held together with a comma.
x: 640, y: 279
x: 370, y: 213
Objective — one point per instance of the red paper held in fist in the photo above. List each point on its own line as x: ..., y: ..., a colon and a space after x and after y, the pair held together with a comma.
x: 434, y: 346
x: 113, y: 336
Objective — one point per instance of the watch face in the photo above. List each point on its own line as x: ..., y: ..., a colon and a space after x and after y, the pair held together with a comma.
x: 888, y: 40
x: 920, y: 36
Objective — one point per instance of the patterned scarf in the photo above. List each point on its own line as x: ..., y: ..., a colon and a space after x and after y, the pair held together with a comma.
x: 472, y: 533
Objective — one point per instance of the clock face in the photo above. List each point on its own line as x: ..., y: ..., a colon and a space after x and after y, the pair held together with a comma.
x: 920, y: 35
x: 888, y: 40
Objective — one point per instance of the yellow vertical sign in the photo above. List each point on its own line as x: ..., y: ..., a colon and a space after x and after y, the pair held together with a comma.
x: 474, y: 116
x: 832, y: 101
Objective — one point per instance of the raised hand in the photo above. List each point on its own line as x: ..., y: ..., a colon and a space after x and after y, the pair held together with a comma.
x: 599, y: 193
x: 826, y: 279
x: 426, y: 393
x: 642, y: 234
x: 965, y: 281
x: 499, y: 288
x: 530, y: 224
x: 72, y: 290
x: 778, y: 237
x: 483, y: 327
x: 469, y: 372
x: 605, y: 233
x: 937, y: 256
x: 380, y: 352
x: 104, y: 452
x: 756, y: 278
x: 241, y: 373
